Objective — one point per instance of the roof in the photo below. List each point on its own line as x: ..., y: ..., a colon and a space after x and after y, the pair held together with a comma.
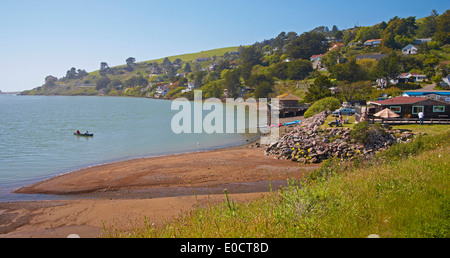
x: 411, y: 45
x: 411, y: 74
x: 371, y: 56
x: 316, y: 56
x: 424, y: 93
x: 372, y: 41
x: 287, y: 96
x: 398, y: 101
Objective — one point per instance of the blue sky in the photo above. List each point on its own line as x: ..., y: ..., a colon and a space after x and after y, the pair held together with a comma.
x: 48, y: 37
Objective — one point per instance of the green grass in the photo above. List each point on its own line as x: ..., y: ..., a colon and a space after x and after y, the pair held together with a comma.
x: 428, y: 129
x: 192, y: 56
x: 330, y: 118
x: 392, y: 196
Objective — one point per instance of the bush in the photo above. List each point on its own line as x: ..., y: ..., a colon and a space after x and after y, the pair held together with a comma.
x: 366, y: 133
x: 330, y: 103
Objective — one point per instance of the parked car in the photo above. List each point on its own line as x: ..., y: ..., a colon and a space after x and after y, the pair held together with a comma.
x: 344, y: 112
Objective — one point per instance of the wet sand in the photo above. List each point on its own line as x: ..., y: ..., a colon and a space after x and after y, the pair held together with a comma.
x: 161, y: 188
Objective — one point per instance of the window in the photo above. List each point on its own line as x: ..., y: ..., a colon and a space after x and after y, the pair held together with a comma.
x: 396, y: 109
x: 417, y: 109
x: 438, y: 108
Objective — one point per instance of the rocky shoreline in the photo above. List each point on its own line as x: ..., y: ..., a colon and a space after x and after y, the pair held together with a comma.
x: 309, y: 142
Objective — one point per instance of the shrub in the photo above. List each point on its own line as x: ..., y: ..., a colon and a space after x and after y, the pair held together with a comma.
x: 366, y: 133
x: 330, y: 103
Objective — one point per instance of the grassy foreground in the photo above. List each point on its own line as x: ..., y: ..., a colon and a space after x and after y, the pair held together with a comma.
x: 401, y: 193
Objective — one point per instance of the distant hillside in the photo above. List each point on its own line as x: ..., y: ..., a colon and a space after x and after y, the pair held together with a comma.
x: 355, y: 63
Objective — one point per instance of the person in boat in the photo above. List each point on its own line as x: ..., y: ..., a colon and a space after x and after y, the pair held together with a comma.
x: 78, y: 132
x: 86, y: 132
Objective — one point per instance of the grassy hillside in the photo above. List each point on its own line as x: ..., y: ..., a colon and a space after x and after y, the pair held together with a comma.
x: 403, y: 192
x: 72, y: 86
x: 187, y: 58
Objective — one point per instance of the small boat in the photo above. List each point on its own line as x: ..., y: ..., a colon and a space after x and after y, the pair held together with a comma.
x: 83, y: 134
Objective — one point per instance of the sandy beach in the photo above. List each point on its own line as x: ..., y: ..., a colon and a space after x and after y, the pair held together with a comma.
x: 122, y: 194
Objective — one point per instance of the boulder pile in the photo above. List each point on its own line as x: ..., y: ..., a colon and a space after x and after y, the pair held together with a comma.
x: 309, y: 142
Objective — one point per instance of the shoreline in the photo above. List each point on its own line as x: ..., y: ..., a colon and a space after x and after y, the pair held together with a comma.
x: 160, y: 188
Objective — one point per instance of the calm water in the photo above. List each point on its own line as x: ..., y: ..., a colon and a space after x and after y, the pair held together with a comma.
x: 37, y: 141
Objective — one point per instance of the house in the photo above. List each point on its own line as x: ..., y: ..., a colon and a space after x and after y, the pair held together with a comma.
x: 154, y: 71
x: 191, y: 86
x: 439, y: 95
x: 409, y: 77
x: 410, y: 107
x: 289, y: 105
x: 446, y: 81
x: 421, y: 41
x: 162, y: 91
x: 372, y: 42
x: 371, y: 56
x: 336, y: 45
x: 213, y: 67
x: 410, y: 50
x: 317, y: 61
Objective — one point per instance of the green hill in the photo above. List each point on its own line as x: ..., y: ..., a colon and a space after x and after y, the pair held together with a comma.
x: 86, y: 84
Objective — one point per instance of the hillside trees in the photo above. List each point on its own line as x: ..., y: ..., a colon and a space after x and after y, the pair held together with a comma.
x: 73, y: 73
x: 349, y: 72
x: 232, y: 83
x: 50, y: 81
x: 443, y: 28
x: 319, y: 89
x: 389, y: 67
x: 308, y: 44
x: 130, y: 63
x: 262, y: 84
x: 428, y: 27
x: 399, y: 32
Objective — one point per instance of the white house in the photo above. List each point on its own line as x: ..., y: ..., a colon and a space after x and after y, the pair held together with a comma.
x: 402, y: 78
x: 162, y: 91
x: 410, y: 50
x: 409, y: 77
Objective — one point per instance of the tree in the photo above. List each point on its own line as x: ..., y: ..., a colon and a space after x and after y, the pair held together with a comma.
x: 187, y: 68
x: 212, y: 89
x: 262, y: 84
x: 324, y: 104
x: 167, y: 64
x: 130, y: 63
x: 263, y: 89
x: 104, y: 69
x: 332, y: 57
x: 319, y: 89
x: 250, y: 55
x: 71, y: 74
x: 397, y: 31
x: 359, y: 90
x: 232, y: 82
x: 388, y: 68
x: 350, y: 72
x: 308, y: 44
x: 428, y: 26
x: 102, y: 83
x: 443, y: 28
x: 299, y: 69
x: 50, y: 81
